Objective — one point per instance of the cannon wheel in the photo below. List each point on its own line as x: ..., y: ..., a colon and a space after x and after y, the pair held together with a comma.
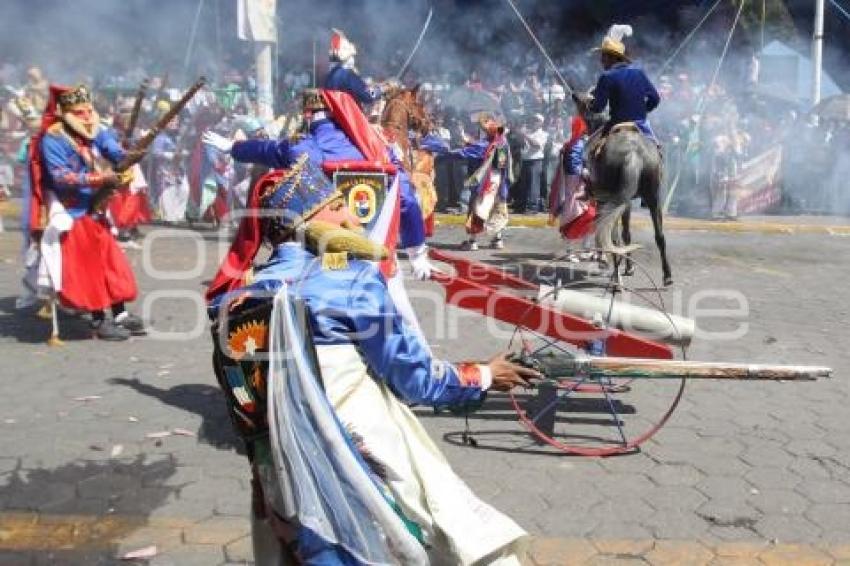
x: 590, y: 416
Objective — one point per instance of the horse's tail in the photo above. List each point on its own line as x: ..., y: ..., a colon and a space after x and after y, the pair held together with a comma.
x: 610, y: 212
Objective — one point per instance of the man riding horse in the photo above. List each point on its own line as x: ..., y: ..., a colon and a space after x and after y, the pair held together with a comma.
x: 343, y: 73
x: 623, y: 86
x: 623, y: 156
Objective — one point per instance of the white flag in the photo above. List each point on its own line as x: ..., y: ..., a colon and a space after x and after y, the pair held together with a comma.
x: 256, y: 20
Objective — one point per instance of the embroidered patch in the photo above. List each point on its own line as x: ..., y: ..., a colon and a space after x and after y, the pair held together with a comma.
x: 236, y: 382
x: 362, y: 202
x: 247, y: 339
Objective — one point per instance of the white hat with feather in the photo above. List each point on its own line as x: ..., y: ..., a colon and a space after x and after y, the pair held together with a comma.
x: 613, y: 43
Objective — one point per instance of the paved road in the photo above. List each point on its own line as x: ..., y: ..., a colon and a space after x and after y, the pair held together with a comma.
x: 743, y: 472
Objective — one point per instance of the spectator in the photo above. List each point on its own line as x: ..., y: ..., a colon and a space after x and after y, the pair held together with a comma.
x: 531, y: 176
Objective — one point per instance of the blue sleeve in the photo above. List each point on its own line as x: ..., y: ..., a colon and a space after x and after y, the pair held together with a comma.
x: 434, y: 144
x: 360, y: 90
x: 652, y: 96
x: 107, y: 144
x: 600, y: 94
x: 473, y: 151
x: 574, y: 158
x: 412, y: 226
x: 271, y: 153
x: 395, y: 355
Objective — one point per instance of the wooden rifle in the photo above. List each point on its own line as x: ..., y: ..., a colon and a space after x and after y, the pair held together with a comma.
x: 138, y: 151
x: 137, y: 108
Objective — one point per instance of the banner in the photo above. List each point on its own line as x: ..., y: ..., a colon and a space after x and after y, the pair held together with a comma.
x: 757, y: 188
x: 256, y: 20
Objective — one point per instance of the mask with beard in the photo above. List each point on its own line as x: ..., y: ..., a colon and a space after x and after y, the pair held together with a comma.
x: 82, y: 119
x: 324, y: 237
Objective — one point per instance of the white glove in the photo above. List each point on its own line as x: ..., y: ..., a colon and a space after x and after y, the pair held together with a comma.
x: 418, y: 257
x: 217, y: 141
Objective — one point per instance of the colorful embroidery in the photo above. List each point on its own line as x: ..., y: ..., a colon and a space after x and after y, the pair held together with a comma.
x: 247, y: 339
x: 236, y: 382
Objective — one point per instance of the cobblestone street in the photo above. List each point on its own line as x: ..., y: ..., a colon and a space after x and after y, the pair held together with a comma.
x: 109, y: 448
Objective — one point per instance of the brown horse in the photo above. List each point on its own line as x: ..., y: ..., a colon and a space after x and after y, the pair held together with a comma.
x: 403, y: 114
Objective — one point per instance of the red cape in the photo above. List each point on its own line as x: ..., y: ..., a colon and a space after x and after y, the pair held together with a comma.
x: 38, y: 204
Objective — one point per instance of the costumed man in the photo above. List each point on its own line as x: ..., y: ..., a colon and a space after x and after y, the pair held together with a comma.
x: 169, y: 184
x: 326, y: 141
x: 623, y: 87
x: 569, y: 207
x: 343, y: 75
x: 489, y: 183
x: 370, y: 368
x: 129, y: 206
x: 84, y: 265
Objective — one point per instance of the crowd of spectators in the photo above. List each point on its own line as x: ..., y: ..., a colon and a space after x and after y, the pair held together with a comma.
x: 709, y: 129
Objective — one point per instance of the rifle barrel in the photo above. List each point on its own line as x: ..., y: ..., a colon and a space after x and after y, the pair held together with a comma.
x: 137, y: 108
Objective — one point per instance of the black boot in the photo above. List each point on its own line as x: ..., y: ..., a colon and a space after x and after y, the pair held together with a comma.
x: 130, y: 322
x: 106, y: 329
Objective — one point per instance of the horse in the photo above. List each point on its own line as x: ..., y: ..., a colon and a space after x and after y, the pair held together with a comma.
x: 405, y: 113
x: 627, y: 166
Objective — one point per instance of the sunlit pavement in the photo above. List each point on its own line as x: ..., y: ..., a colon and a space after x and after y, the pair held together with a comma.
x: 111, y: 448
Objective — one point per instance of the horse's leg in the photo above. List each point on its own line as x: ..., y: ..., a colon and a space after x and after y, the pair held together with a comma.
x: 655, y: 212
x: 627, y: 239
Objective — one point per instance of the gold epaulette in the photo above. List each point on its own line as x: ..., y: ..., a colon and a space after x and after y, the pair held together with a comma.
x: 335, y: 261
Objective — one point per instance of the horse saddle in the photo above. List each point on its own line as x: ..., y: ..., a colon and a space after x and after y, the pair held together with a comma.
x: 597, y: 141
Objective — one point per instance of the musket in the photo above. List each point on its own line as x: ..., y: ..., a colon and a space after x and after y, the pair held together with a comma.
x: 138, y: 151
x: 562, y: 366
x: 137, y: 107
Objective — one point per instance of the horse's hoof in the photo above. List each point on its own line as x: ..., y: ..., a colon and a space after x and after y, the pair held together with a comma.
x: 668, y: 281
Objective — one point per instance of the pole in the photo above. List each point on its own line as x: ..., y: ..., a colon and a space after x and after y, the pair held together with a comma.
x: 763, y: 18
x: 314, y: 63
x: 191, y: 47
x: 265, y: 97
x: 817, y: 52
x: 219, y: 52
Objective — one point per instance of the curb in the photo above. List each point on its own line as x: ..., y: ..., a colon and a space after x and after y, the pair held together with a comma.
x: 682, y: 224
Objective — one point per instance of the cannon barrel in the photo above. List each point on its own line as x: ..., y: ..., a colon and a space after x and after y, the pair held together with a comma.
x: 654, y: 324
x: 565, y: 367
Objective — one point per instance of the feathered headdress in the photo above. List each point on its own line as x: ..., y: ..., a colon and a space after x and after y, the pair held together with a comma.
x: 613, y: 42
x: 341, y: 47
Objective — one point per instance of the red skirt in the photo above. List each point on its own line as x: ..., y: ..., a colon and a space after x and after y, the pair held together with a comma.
x: 581, y: 226
x: 129, y: 209
x: 95, y: 271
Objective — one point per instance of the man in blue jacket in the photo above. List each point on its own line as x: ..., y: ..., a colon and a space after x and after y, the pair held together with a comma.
x: 623, y: 86
x: 371, y: 367
x: 343, y: 75
x: 326, y: 141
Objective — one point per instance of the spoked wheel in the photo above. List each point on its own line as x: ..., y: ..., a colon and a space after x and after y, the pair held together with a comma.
x: 591, y: 415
